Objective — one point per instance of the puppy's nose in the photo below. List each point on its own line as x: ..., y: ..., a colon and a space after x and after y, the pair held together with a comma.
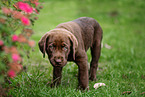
x: 58, y: 59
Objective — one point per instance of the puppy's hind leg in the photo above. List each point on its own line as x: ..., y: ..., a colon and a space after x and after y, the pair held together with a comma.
x: 95, y: 52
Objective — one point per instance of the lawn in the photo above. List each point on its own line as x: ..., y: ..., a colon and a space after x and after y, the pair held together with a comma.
x: 121, y: 65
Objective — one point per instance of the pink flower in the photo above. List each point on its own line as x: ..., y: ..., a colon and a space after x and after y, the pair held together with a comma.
x: 36, y: 3
x: 31, y: 43
x: 11, y: 74
x: 25, y: 7
x: 15, y: 57
x: 25, y: 21
x: 15, y: 38
x: 1, y: 43
x: 36, y: 11
x: 6, y: 11
x: 17, y: 14
x: 21, y: 66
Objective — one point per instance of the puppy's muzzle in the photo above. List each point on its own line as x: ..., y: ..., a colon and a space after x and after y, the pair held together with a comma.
x: 58, y: 60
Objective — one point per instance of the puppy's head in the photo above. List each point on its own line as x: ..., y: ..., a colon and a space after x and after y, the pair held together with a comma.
x: 58, y: 44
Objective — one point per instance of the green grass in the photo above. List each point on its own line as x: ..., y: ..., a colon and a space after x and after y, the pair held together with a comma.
x: 121, y: 68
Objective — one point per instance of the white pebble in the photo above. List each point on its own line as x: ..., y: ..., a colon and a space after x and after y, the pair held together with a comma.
x: 97, y: 85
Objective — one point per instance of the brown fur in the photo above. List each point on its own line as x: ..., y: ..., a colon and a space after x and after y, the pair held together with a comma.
x: 69, y: 42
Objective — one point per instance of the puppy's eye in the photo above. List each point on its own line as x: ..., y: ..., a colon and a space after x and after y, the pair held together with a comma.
x: 65, y: 48
x: 51, y: 47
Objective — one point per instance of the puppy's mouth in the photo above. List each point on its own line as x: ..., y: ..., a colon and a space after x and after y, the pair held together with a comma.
x: 60, y: 64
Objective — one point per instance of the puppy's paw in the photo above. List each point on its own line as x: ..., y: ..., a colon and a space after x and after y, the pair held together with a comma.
x: 82, y: 88
x: 93, y: 78
x: 52, y: 85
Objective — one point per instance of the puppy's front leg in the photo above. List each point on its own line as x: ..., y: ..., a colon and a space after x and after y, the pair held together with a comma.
x: 57, y: 72
x: 83, y: 72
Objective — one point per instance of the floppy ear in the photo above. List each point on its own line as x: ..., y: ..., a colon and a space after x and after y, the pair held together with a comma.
x: 74, y: 44
x: 42, y: 43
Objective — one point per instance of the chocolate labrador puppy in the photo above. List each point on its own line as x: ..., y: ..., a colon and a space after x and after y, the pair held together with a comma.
x: 69, y: 42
